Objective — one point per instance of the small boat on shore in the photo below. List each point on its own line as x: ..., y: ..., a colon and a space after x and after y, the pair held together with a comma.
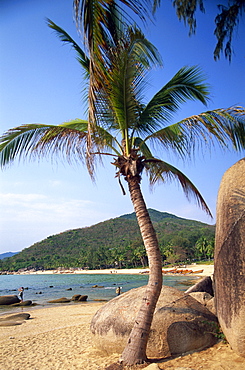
x: 177, y: 271
x: 197, y: 272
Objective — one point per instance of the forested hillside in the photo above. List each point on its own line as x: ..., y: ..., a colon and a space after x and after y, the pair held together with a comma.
x: 116, y: 243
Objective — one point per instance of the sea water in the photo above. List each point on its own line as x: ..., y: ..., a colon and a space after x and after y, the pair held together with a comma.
x: 45, y: 287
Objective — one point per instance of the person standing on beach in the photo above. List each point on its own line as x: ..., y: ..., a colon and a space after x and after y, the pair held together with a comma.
x: 118, y: 290
x: 21, y: 292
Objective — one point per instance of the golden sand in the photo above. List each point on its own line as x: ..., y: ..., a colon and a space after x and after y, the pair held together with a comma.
x: 59, y: 338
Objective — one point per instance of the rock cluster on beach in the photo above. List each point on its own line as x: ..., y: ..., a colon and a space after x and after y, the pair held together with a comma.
x: 13, y: 300
x: 75, y: 297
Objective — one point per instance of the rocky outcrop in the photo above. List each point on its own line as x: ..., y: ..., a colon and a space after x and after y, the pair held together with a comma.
x: 180, y: 323
x: 229, y: 259
x: 206, y: 299
x: 9, y: 299
x: 201, y: 297
x: 204, y: 285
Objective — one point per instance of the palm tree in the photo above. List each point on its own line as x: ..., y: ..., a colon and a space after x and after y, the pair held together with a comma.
x: 125, y: 128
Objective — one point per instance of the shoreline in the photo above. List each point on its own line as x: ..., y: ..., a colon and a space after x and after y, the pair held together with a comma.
x: 40, y: 295
x: 208, y: 270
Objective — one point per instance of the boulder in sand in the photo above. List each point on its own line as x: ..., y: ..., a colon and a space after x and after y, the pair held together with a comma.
x: 23, y: 303
x: 9, y: 299
x: 180, y: 323
x: 229, y: 258
x: 15, y: 319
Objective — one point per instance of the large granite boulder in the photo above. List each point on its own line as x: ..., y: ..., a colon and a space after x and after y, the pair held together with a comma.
x: 180, y: 323
x: 229, y: 259
x: 9, y: 299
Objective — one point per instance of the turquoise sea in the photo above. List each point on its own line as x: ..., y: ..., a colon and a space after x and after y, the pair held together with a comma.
x: 42, y: 288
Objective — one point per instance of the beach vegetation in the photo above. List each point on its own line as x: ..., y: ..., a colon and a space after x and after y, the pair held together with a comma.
x: 130, y: 132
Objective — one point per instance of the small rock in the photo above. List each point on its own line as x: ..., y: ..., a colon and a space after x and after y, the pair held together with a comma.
x: 17, y: 316
x: 152, y: 367
x: 60, y: 300
x: 97, y: 286
x: 24, y: 303
x: 75, y: 297
x: 82, y: 298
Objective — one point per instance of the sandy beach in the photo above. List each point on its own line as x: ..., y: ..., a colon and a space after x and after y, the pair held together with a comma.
x: 207, y: 270
x: 59, y: 338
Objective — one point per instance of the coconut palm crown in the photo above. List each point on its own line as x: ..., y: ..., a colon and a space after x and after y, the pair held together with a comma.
x: 127, y: 128
x: 132, y: 133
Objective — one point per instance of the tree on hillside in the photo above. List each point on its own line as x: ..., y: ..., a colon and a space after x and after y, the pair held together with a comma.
x: 124, y: 129
x: 204, y: 248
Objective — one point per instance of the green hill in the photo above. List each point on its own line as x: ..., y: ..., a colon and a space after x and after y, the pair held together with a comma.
x: 113, y: 243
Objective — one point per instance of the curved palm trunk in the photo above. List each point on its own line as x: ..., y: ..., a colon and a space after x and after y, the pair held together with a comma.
x: 135, y: 350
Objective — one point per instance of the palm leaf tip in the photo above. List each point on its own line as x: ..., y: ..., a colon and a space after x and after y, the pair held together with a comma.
x: 160, y: 171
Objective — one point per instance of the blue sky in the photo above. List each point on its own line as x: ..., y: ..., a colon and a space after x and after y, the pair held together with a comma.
x: 40, y: 82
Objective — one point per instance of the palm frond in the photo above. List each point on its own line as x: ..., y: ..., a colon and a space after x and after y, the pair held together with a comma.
x: 159, y: 172
x: 68, y: 140
x: 140, y: 145
x: 125, y: 83
x: 187, y: 84
x: 38, y: 140
x: 223, y: 126
x: 90, y: 13
x: 66, y: 38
